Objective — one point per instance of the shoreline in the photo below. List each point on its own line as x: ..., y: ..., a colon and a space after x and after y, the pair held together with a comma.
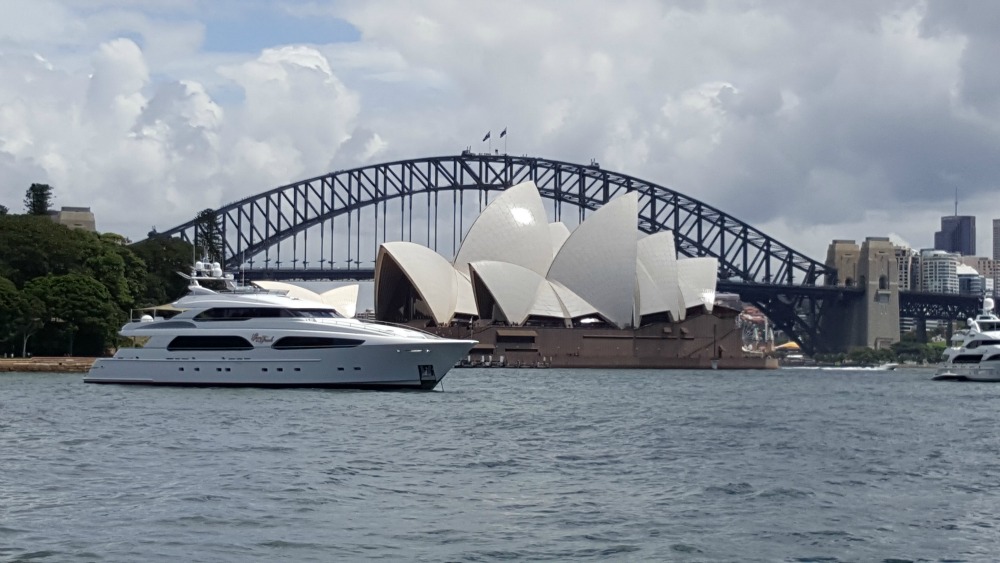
x: 51, y: 364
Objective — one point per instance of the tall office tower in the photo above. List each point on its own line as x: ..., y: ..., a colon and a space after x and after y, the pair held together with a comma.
x: 996, y: 239
x: 957, y: 234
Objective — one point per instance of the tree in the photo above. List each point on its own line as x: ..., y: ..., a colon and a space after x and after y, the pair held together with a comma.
x: 33, y: 246
x: 4, y: 210
x: 78, y: 304
x: 20, y: 314
x: 9, y: 296
x: 163, y: 257
x: 38, y: 199
x: 208, y: 235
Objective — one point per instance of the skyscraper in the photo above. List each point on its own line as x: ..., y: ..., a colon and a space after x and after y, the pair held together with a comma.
x: 957, y: 234
x: 996, y: 239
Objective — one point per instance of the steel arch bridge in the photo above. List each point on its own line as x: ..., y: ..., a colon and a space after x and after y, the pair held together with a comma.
x: 343, y: 216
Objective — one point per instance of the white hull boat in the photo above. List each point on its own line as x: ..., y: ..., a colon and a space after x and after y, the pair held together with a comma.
x: 249, y: 337
x: 975, y: 354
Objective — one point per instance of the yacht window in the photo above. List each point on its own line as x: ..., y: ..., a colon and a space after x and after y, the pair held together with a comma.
x: 209, y: 343
x: 299, y: 342
x: 967, y: 359
x: 319, y: 313
x: 981, y: 342
x: 242, y: 313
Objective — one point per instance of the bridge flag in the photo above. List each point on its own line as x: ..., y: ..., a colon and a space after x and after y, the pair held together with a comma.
x: 503, y: 133
x: 486, y: 137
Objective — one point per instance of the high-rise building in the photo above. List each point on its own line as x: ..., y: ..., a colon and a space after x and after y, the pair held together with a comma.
x: 970, y: 281
x: 938, y: 271
x: 909, y: 267
x: 996, y: 239
x: 957, y: 234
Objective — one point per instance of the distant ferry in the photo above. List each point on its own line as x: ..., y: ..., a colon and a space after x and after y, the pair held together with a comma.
x: 248, y: 336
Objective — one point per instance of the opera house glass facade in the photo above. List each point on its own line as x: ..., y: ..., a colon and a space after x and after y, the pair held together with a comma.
x: 532, y: 291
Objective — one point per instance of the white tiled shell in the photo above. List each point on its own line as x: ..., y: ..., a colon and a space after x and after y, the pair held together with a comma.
x: 597, y: 261
x: 572, y: 304
x: 657, y: 257
x: 558, y: 232
x: 697, y: 279
x: 429, y: 272
x: 513, y: 229
x: 465, y: 300
x: 292, y: 290
x: 344, y: 299
x: 513, y: 287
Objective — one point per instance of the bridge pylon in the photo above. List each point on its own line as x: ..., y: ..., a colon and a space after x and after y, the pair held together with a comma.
x: 872, y: 320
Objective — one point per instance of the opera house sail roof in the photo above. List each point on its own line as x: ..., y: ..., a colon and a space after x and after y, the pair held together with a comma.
x: 515, y: 267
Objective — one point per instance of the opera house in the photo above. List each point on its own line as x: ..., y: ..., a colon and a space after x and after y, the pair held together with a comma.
x: 535, y: 294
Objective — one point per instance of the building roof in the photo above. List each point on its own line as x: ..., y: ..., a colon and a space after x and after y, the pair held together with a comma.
x: 514, y: 266
x: 597, y: 261
x: 509, y: 230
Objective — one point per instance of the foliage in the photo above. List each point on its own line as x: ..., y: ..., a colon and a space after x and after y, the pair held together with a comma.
x: 913, y: 351
x: 78, y: 304
x: 38, y: 199
x: 9, y: 298
x: 208, y: 235
x: 163, y: 257
x: 908, y: 350
x: 33, y: 247
x: 4, y: 210
x: 20, y: 316
x: 869, y: 357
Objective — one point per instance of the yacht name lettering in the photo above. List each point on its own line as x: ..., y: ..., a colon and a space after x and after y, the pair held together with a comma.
x: 261, y: 339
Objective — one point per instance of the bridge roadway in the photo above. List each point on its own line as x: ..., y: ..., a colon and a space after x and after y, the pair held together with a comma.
x: 912, y: 304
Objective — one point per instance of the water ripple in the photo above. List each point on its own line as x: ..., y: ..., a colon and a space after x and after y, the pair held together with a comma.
x: 505, y: 465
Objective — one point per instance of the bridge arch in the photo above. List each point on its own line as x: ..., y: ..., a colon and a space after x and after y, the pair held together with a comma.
x: 278, y: 222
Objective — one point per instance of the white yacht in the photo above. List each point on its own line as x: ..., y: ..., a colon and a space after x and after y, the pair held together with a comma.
x: 975, y: 352
x: 243, y: 335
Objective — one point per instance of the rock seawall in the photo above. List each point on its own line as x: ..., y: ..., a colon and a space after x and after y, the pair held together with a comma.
x: 46, y: 364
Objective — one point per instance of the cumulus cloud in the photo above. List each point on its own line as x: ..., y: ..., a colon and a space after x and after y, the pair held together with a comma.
x: 812, y: 121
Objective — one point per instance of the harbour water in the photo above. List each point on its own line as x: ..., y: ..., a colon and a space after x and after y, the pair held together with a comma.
x: 783, y: 465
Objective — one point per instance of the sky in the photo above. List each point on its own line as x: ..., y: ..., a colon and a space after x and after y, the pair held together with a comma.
x: 812, y: 121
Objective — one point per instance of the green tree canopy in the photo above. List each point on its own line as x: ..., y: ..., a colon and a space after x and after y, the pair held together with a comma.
x: 33, y: 246
x: 9, y: 297
x: 4, y: 210
x: 78, y: 304
x: 163, y: 258
x: 20, y: 316
x: 208, y: 235
x: 38, y: 199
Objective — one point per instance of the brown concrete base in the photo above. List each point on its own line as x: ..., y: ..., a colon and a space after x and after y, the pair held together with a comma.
x: 699, y: 342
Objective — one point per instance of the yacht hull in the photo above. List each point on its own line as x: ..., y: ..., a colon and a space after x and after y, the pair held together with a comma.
x: 387, y: 367
x: 977, y: 374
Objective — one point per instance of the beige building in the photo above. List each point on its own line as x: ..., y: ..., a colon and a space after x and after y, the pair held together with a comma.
x: 872, y: 320
x: 75, y: 218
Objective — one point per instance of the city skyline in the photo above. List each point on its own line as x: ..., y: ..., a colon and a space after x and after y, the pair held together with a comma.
x: 812, y: 123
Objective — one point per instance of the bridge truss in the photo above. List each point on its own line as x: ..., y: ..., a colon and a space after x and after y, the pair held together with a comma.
x: 332, y: 225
